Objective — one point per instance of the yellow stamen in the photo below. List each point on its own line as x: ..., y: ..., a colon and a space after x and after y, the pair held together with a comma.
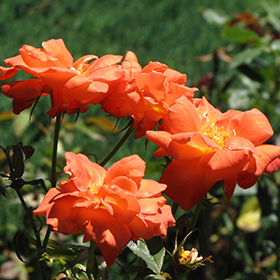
x: 216, y: 134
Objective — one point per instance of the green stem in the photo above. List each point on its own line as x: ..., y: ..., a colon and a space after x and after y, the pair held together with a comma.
x: 54, y: 153
x: 90, y: 260
x: 196, y: 215
x: 53, y: 170
x: 124, y: 138
x: 37, y: 235
x: 278, y: 232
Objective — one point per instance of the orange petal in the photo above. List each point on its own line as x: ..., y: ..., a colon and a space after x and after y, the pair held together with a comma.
x: 132, y: 167
x: 122, y: 206
x: 183, y: 117
x: 150, y: 188
x: 7, y: 73
x: 246, y: 180
x: 173, y: 148
x: 258, y: 165
x: 82, y: 172
x: 62, y: 216
x: 273, y: 166
x: 125, y: 183
x: 224, y: 163
x: 240, y: 143
x: 177, y: 91
x: 186, y: 183
x: 101, y: 227
x: 109, y: 253
x: 252, y: 125
x: 45, y: 204
x: 57, y: 77
x: 57, y: 49
x: 229, y: 185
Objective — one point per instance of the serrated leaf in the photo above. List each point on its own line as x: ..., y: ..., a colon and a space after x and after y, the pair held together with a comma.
x: 239, y: 35
x: 154, y: 262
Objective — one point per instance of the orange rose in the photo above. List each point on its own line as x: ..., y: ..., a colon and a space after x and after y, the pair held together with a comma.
x: 209, y: 146
x: 110, y: 207
x: 146, y: 94
x: 71, y: 85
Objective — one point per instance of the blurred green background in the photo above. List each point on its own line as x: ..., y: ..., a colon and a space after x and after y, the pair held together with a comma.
x: 171, y: 32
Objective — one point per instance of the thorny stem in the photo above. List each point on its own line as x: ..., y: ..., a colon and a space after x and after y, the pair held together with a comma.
x: 90, y: 260
x: 123, y: 139
x: 53, y: 170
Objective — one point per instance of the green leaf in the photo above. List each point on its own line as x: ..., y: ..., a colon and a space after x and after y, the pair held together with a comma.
x: 239, y: 35
x: 154, y: 262
x: 250, y: 215
x: 17, y: 162
x: 246, y: 56
x: 21, y: 123
x: 275, y: 45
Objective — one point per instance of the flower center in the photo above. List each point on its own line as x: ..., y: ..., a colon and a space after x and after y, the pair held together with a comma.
x: 93, y: 188
x: 216, y: 134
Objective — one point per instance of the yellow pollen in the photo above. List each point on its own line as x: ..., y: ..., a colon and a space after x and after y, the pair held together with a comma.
x: 93, y: 188
x: 216, y: 134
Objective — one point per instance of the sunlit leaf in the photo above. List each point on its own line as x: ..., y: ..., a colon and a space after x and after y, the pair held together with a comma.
x: 7, y: 115
x: 275, y: 45
x: 239, y: 35
x: 104, y: 123
x: 21, y: 123
x: 214, y: 17
x: 154, y: 262
x: 246, y: 56
x: 250, y: 215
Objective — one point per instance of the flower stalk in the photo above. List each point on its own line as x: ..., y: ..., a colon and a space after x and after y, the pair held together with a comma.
x: 53, y: 170
x: 120, y: 143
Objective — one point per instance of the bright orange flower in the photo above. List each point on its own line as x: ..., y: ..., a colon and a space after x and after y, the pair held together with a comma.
x: 71, y: 85
x: 209, y: 146
x: 110, y: 207
x: 146, y: 94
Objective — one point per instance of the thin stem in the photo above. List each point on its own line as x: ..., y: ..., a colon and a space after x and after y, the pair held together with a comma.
x: 113, y: 152
x: 37, y: 235
x: 278, y: 231
x: 196, y: 215
x: 53, y: 170
x: 90, y: 260
x: 54, y: 153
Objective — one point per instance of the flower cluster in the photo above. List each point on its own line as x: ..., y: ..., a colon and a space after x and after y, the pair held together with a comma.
x: 117, y: 205
x: 110, y: 206
x: 122, y: 90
